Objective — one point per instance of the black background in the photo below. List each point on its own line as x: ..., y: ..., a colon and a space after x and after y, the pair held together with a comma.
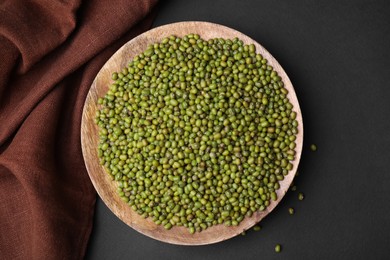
x: 337, y: 54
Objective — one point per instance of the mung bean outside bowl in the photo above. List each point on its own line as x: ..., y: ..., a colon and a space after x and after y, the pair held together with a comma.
x: 107, y: 188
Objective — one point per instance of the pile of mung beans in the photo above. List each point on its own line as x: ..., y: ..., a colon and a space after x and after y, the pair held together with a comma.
x: 197, y: 132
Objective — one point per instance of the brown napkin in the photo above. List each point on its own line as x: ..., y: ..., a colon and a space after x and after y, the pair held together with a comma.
x: 50, y: 52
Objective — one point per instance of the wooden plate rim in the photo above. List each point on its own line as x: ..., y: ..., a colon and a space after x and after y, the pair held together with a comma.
x: 89, y: 136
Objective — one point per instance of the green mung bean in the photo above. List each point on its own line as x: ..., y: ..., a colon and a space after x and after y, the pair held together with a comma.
x: 257, y: 228
x: 197, y: 132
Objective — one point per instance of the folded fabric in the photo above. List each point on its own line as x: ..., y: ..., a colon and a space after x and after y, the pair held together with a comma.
x: 50, y: 53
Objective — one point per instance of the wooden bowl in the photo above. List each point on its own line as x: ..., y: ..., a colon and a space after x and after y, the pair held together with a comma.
x: 106, y: 188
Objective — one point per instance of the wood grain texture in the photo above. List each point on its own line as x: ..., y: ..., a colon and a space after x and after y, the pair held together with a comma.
x: 102, y: 182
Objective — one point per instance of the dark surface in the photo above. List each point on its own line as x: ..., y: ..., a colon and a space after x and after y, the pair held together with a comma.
x: 337, y: 55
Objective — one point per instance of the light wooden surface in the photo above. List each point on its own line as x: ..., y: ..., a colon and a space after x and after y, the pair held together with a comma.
x: 103, y: 184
